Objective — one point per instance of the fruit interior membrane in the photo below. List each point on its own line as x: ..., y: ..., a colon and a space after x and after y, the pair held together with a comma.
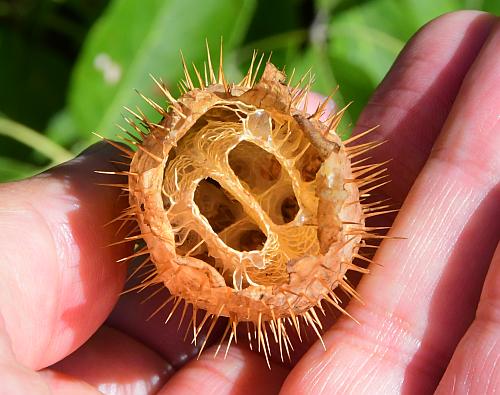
x: 241, y: 195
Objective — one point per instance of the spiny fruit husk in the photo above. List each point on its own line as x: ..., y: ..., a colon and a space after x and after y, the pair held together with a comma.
x: 248, y: 207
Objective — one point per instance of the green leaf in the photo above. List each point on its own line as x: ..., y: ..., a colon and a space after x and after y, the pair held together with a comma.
x: 492, y: 6
x: 33, y: 139
x: 33, y: 77
x: 365, y: 40
x: 135, y: 38
x: 63, y: 130
x: 11, y: 169
x: 354, y: 84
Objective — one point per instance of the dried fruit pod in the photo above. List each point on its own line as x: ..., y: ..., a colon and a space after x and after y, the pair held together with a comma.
x: 249, y: 207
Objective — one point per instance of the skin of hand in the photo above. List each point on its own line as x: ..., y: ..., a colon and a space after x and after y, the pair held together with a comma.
x: 431, y: 316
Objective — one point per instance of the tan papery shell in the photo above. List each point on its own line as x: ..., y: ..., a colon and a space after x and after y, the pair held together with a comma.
x: 249, y: 207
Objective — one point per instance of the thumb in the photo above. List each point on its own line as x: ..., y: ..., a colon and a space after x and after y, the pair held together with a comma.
x: 58, y: 281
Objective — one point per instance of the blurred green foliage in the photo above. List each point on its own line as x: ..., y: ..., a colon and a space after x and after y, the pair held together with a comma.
x: 68, y: 67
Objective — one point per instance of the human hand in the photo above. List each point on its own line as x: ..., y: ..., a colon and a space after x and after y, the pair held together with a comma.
x: 438, y: 109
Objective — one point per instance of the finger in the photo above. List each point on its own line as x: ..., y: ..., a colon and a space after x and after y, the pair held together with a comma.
x: 240, y: 372
x: 413, y: 101
x: 143, y: 316
x: 474, y: 366
x: 16, y: 378
x: 113, y: 362
x: 58, y: 280
x: 421, y: 298
x: 62, y: 384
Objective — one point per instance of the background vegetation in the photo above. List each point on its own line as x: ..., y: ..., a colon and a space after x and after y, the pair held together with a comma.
x: 68, y: 67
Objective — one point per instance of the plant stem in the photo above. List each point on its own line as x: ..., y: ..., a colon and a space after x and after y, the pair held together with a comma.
x: 35, y: 140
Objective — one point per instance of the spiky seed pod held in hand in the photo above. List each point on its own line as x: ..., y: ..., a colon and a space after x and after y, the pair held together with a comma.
x: 249, y: 207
